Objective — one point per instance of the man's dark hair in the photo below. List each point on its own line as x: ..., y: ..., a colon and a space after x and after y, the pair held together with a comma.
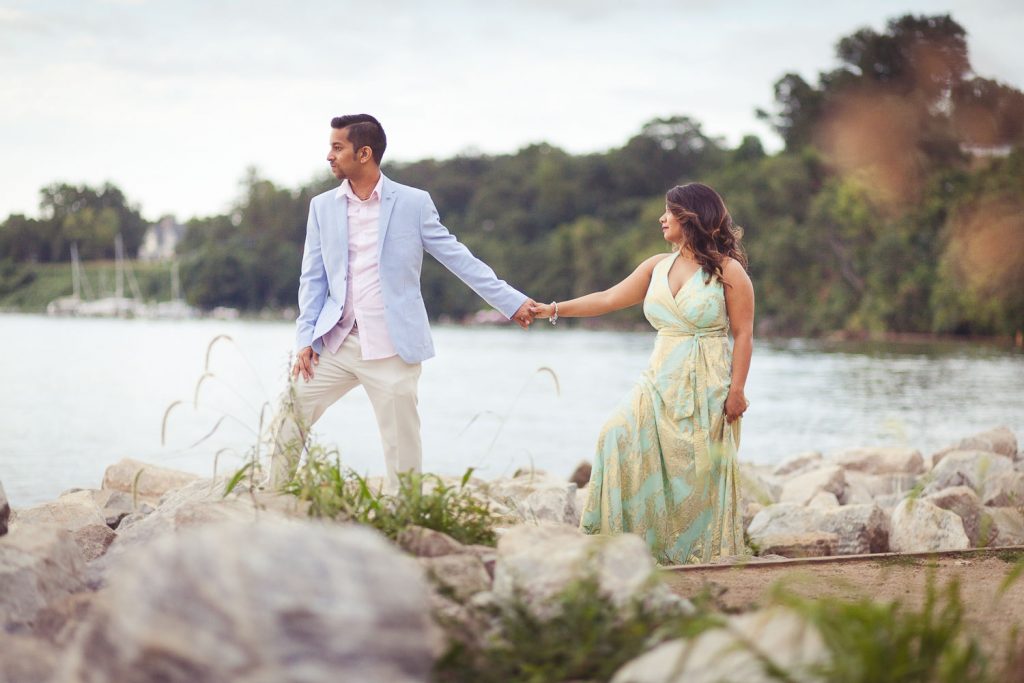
x: 363, y: 131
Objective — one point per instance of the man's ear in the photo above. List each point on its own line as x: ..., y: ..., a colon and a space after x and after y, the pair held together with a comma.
x: 365, y: 154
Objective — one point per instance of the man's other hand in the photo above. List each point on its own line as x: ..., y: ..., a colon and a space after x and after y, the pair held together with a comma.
x: 306, y: 361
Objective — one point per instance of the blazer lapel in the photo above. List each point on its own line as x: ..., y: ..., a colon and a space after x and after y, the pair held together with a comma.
x: 387, y: 203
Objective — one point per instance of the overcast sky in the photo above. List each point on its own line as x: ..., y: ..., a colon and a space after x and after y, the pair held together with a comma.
x: 173, y: 99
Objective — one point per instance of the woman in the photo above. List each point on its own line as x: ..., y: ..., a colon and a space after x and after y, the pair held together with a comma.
x: 666, y: 465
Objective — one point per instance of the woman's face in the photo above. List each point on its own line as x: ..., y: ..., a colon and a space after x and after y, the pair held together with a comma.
x: 671, y: 228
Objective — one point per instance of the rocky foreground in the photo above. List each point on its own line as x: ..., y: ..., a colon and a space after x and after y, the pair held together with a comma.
x: 156, y: 576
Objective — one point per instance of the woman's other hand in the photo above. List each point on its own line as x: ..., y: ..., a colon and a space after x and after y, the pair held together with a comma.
x: 735, y: 405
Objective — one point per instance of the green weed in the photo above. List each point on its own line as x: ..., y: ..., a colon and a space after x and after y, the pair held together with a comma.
x: 587, y: 639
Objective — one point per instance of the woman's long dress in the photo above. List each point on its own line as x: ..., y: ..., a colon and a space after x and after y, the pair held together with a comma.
x: 665, y: 467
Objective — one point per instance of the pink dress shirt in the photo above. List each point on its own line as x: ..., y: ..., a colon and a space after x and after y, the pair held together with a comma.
x: 364, y: 301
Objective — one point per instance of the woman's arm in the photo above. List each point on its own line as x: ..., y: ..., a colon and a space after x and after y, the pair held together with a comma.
x: 739, y: 304
x: 629, y: 292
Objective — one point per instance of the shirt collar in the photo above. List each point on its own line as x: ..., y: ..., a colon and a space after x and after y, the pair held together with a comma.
x: 346, y: 190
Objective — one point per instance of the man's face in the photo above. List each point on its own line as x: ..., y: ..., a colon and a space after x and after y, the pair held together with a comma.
x: 342, y: 157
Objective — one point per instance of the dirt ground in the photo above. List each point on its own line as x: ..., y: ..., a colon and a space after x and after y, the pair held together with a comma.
x: 890, y: 577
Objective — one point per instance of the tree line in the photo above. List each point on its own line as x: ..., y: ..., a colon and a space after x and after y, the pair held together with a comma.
x: 896, y: 205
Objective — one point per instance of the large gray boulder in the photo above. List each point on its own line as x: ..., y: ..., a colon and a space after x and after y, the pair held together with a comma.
x: 76, y: 512
x: 999, y: 440
x: 967, y: 468
x: 880, y: 484
x: 26, y: 660
x: 806, y: 544
x: 758, y: 485
x: 881, y: 460
x: 536, y: 497
x: 144, y: 480
x: 920, y: 526
x: 800, y: 489
x: 1005, y: 490
x: 537, y: 563
x: 1007, y: 525
x: 743, y: 651
x: 256, y: 603
x: 5, y: 510
x: 798, y: 463
x: 39, y: 565
x: 965, y: 503
x: 859, y: 529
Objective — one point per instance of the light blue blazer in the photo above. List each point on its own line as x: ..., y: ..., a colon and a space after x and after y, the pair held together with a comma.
x: 409, y: 225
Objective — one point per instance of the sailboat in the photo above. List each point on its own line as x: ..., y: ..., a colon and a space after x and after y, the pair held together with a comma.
x: 176, y: 308
x: 117, y: 306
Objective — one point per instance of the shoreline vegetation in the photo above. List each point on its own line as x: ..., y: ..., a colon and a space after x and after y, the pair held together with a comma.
x: 455, y: 579
x: 893, y: 208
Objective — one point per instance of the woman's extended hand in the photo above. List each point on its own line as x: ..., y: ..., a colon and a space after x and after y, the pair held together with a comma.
x: 735, y: 405
x: 542, y: 310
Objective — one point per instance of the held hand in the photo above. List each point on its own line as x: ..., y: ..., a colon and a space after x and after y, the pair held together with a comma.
x: 524, y: 316
x: 735, y: 405
x: 306, y: 361
x: 543, y: 311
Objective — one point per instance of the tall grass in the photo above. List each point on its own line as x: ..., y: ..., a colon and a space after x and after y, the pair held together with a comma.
x: 425, y: 500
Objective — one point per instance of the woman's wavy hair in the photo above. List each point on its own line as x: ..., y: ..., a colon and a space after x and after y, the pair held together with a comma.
x: 708, y: 229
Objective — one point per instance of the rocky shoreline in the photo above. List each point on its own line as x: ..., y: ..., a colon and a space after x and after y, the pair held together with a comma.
x: 157, y: 576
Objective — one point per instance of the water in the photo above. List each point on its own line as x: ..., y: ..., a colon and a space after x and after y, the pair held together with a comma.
x: 77, y: 395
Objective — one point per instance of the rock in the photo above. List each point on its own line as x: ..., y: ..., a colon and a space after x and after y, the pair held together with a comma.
x: 881, y: 460
x: 856, y: 492
x: 999, y: 440
x: 1005, y: 490
x: 798, y: 463
x: 423, y: 542
x: 71, y: 511
x: 196, y: 504
x: 57, y: 622
x: 535, y: 497
x: 803, y: 487
x: 581, y: 475
x: 807, y: 544
x: 5, y: 511
x: 920, y: 526
x: 823, y: 499
x: 26, y: 660
x: 965, y: 503
x: 152, y: 483
x: 114, y: 505
x: 783, y: 640
x: 259, y: 602
x: 581, y: 498
x: 457, y: 576
x: 1007, y: 525
x: 75, y: 512
x: 39, y: 565
x: 859, y: 529
x: 750, y: 510
x: 967, y: 468
x: 757, y: 485
x: 94, y: 540
x: 537, y: 563
x: 880, y: 484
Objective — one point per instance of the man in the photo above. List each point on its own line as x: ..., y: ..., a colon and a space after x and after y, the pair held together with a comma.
x: 361, y: 314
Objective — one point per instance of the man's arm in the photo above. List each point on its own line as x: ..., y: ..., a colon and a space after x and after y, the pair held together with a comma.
x: 457, y: 258
x: 312, y: 284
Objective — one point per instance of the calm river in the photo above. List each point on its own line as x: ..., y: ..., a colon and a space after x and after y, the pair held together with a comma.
x: 77, y: 395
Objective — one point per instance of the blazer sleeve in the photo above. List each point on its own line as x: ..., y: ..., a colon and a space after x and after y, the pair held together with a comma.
x: 312, y: 283
x: 457, y: 258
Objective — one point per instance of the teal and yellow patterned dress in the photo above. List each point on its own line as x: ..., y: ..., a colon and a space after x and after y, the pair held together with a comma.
x: 665, y: 467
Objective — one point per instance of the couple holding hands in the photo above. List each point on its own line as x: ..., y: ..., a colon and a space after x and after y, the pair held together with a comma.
x: 665, y: 466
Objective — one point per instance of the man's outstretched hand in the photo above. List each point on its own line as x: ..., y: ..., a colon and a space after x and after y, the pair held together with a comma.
x: 305, y: 362
x: 524, y: 316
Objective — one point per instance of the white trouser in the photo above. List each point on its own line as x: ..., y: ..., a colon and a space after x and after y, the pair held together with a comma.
x: 391, y: 385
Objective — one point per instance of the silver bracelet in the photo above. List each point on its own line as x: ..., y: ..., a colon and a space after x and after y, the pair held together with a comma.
x: 554, y: 318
